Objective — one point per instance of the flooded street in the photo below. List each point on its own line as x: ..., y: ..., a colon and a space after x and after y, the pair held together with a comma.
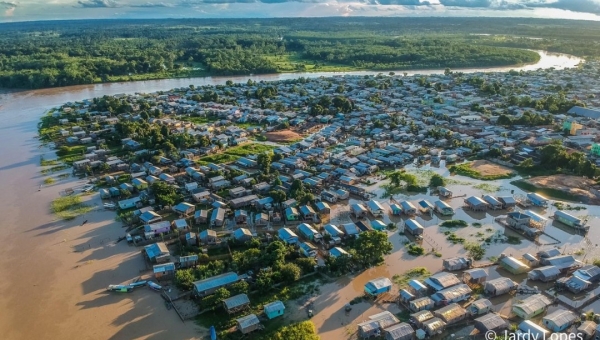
x: 44, y: 271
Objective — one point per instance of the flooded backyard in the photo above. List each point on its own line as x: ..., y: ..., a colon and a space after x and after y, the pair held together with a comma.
x: 332, y: 322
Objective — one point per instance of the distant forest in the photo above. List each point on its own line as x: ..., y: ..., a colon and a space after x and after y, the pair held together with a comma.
x: 59, y: 53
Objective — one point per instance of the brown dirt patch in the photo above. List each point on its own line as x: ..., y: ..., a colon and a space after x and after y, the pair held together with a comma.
x: 282, y: 136
x: 574, y: 185
x: 486, y: 168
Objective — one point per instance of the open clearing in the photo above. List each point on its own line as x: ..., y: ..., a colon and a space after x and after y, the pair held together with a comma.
x: 574, y: 185
x: 486, y: 168
x: 282, y: 136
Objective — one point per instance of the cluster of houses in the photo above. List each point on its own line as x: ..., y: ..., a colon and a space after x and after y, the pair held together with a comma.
x: 443, y: 299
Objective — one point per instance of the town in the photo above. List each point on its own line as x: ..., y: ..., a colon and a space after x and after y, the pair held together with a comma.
x: 475, y: 192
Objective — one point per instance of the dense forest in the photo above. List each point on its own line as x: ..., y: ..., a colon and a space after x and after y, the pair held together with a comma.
x: 59, y: 53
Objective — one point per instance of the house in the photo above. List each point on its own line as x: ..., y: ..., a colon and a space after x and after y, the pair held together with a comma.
x: 155, y: 251
x: 589, y: 273
x: 559, y: 320
x: 248, y: 323
x: 236, y: 303
x: 208, y: 236
x: 154, y: 229
x: 531, y: 306
x: 544, y: 274
x: 291, y: 214
x: 396, y: 209
x: 413, y: 227
x: 456, y: 263
x: 490, y: 323
x: 308, y: 249
x: 188, y: 261
x: 180, y: 224
x: 451, y: 314
x: 165, y: 271
x: 406, y: 296
x: 150, y: 216
x: 191, y: 239
x: 443, y: 208
x: 434, y: 326
x: 375, y: 208
x: 129, y: 203
x: 323, y: 208
x: 287, y: 236
x: 242, y: 235
x: 261, y: 219
x: 562, y: 262
x: 475, y: 203
x: 444, y: 192
x: 358, y: 210
x: 508, y: 202
x: 417, y: 288
x: 184, y: 209
x: 442, y: 281
x: 308, y: 213
x: 574, y: 284
x: 104, y: 194
x: 499, y: 286
x: 424, y: 303
x: 408, y: 208
x: 217, y: 217
x: 350, y: 229
x: 475, y: 276
x: 211, y: 284
x: 240, y: 216
x: 308, y: 232
x: 332, y: 230
x: 453, y: 294
x: 376, y: 324
x: 201, y: 197
x: 570, y: 220
x: 201, y: 216
x: 337, y: 252
x: 425, y: 206
x: 530, y: 260
x: 480, y: 307
x: 537, y: 199
x: 274, y: 309
x: 421, y: 317
x: 378, y: 286
x: 533, y: 330
x: 401, y: 331
x: 513, y: 265
x: 492, y: 202
x: 139, y: 184
x: 586, y: 330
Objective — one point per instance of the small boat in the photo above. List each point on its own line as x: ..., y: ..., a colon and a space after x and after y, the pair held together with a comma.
x: 138, y: 283
x: 154, y: 286
x: 119, y: 288
x: 213, y: 333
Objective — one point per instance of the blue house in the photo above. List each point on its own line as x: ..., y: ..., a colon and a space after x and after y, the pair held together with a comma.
x: 378, y: 225
x: 274, y: 309
x: 333, y: 230
x: 287, y: 236
x: 308, y: 250
x: 559, y: 320
x: 378, y: 286
x: 308, y: 231
x: 537, y: 199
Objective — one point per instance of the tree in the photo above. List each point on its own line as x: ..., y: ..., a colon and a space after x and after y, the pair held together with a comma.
x: 306, y: 264
x: 279, y: 196
x: 371, y: 247
x: 264, y: 281
x: 299, y: 331
x: 184, y: 279
x: 240, y: 287
x: 527, y: 163
x: 264, y: 161
x: 437, y: 181
x: 290, y: 272
x: 165, y: 194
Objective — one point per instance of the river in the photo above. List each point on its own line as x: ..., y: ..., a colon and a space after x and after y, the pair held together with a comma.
x: 51, y: 288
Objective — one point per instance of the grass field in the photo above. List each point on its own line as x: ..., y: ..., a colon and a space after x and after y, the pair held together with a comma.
x: 293, y: 62
x: 551, y: 193
x: 69, y: 207
x: 232, y: 154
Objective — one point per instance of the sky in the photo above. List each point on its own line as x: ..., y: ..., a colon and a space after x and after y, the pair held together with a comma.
x: 26, y: 10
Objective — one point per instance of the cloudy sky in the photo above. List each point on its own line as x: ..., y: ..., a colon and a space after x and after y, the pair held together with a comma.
x: 20, y: 10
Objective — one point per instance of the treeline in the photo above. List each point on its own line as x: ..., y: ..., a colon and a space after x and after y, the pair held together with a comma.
x: 47, y: 54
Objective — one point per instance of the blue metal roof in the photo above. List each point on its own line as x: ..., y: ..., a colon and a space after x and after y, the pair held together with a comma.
x: 216, y: 281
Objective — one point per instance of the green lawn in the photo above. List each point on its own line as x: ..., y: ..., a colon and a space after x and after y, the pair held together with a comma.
x: 69, y: 207
x: 232, y: 154
x: 290, y: 62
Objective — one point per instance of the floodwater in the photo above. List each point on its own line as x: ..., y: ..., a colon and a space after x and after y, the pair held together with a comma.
x: 42, y: 273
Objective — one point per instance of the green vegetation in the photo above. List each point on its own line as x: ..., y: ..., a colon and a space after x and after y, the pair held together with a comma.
x: 466, y: 170
x: 415, y: 249
x: 371, y: 248
x: 58, y: 54
x: 487, y: 187
x: 513, y: 240
x: 232, y: 154
x: 596, y: 262
x: 165, y: 193
x: 49, y: 181
x: 452, y: 237
x: 437, y: 181
x: 475, y: 250
x: 69, y: 207
x: 566, y: 206
x: 418, y: 273
x: 549, y: 192
x: 401, y: 180
x: 454, y: 223
x: 554, y: 158
x: 49, y: 162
